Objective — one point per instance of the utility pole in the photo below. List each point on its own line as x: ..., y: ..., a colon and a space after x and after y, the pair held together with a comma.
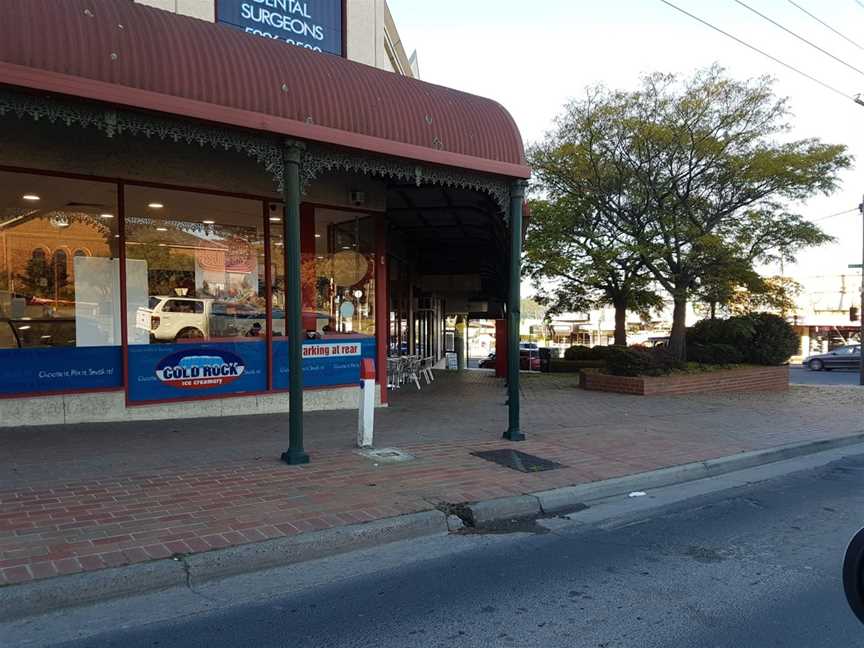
x: 861, y: 304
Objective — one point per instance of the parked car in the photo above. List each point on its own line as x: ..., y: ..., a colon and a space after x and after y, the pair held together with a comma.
x: 845, y: 357
x: 488, y: 362
x: 183, y: 318
x: 529, y: 359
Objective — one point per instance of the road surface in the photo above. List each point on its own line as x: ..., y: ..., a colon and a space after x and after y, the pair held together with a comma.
x: 798, y: 375
x: 753, y: 567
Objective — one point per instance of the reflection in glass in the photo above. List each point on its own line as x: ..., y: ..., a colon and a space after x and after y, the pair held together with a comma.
x: 59, y: 272
x: 196, y: 267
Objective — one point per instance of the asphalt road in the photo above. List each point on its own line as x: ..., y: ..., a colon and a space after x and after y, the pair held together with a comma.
x: 753, y: 567
x: 798, y: 375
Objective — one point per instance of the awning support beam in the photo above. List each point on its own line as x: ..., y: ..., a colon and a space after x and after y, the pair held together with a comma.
x: 517, y: 197
x: 291, y: 157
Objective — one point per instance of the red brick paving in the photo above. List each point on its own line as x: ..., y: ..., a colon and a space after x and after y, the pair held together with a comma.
x: 118, y: 515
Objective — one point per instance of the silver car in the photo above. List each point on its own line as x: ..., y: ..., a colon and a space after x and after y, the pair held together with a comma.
x: 845, y: 357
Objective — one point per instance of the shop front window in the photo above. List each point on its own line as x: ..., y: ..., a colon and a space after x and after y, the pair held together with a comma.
x: 196, y: 294
x: 337, y: 285
x: 343, y: 270
x: 59, y: 313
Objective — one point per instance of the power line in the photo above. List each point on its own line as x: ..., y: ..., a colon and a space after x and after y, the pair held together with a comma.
x: 826, y: 25
x: 762, y: 52
x: 843, y: 213
x: 801, y: 38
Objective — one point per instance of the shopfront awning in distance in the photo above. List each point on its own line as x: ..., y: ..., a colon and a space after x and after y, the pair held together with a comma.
x: 127, y: 54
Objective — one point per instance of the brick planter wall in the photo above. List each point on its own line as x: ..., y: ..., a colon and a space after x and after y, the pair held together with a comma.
x: 726, y: 380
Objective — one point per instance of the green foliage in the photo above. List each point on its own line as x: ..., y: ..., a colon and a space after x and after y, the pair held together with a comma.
x: 38, y: 277
x: 714, y: 353
x: 577, y: 352
x: 772, y: 294
x: 774, y: 340
x: 761, y: 338
x: 640, y: 361
x: 733, y: 331
x: 578, y: 260
x: 574, y: 366
x: 588, y: 354
x: 694, y: 174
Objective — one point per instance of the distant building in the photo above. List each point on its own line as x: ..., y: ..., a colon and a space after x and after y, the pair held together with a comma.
x: 828, y: 311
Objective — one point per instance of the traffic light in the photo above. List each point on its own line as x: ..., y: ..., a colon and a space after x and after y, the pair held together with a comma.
x: 853, y: 313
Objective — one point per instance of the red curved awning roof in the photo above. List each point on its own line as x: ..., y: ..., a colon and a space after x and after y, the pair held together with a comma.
x: 124, y: 53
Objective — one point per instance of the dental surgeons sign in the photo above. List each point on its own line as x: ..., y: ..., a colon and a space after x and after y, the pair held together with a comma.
x: 313, y: 24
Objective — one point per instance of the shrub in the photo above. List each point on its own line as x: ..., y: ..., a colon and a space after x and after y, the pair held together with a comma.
x: 773, y: 341
x: 576, y: 352
x: 639, y: 361
x: 586, y: 354
x: 601, y: 353
x: 574, y: 366
x: 714, y: 353
x: 733, y: 331
x: 761, y: 338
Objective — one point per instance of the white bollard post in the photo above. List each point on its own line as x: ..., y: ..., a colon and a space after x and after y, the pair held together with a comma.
x: 366, y: 414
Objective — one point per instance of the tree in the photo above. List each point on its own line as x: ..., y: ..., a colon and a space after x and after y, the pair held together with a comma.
x: 693, y: 171
x: 38, y: 277
x: 772, y: 294
x: 577, y: 260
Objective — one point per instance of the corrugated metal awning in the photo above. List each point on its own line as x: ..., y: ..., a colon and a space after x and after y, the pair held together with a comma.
x: 124, y: 53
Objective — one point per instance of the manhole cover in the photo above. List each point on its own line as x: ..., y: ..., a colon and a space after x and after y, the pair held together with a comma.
x: 518, y: 460
x: 385, y: 455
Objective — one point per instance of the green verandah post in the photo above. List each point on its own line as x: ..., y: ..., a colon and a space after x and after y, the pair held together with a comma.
x: 291, y: 158
x: 517, y: 197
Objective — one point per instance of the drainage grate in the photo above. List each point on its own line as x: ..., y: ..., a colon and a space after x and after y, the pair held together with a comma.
x: 518, y: 460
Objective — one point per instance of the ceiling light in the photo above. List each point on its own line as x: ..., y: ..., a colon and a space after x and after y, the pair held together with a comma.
x: 275, y: 219
x: 209, y: 222
x: 106, y: 215
x: 317, y: 236
x: 162, y: 245
x: 161, y: 229
x: 156, y: 205
x: 46, y: 337
x: 31, y: 197
x: 346, y: 247
x: 24, y: 328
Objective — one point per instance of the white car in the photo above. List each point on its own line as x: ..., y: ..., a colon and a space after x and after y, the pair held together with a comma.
x: 177, y: 318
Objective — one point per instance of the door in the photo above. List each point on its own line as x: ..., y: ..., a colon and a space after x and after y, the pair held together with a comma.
x: 843, y: 358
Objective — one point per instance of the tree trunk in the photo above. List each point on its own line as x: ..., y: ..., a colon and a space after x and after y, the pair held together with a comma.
x: 677, y: 339
x: 713, y: 310
x: 621, y: 324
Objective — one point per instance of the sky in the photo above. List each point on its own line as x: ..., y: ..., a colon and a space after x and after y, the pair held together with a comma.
x: 533, y: 56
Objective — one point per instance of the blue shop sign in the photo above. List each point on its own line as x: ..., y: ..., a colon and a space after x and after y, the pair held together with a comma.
x: 326, y: 363
x: 160, y: 372
x: 60, y: 369
x: 313, y: 24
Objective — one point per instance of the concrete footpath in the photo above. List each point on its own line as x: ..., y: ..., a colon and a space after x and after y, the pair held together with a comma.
x: 143, y: 505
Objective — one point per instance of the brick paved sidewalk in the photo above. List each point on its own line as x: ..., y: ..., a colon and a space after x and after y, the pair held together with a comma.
x: 80, y: 498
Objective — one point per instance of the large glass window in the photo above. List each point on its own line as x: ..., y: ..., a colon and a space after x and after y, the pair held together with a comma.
x: 196, y: 294
x: 337, y: 284
x: 59, y: 284
x: 342, y: 268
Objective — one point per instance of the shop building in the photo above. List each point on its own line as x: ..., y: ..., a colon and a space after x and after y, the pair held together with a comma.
x: 195, y: 221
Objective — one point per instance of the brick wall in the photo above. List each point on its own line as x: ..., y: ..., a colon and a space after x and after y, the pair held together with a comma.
x: 740, y: 379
